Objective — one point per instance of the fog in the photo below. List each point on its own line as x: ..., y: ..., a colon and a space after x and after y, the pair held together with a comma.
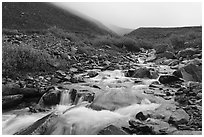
x: 134, y: 14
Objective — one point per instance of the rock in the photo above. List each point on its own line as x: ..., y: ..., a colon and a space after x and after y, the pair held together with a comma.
x: 50, y: 98
x: 73, y: 70
x: 77, y: 79
x: 142, y: 73
x: 188, y: 53
x: 30, y: 92
x: 42, y: 126
x: 10, y: 89
x: 139, y: 128
x: 11, y: 101
x: 179, y: 117
x: 141, y: 116
x: 160, y: 127
x: 92, y: 74
x: 112, y: 130
x: 14, y: 89
x: 173, y: 63
x: 161, y: 48
x: 55, y: 80
x: 187, y: 132
x: 166, y: 79
x: 190, y: 72
x: 130, y: 73
x: 167, y: 54
x: 84, y: 96
x: 61, y: 73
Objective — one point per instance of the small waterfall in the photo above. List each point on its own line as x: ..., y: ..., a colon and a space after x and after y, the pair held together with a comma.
x: 80, y: 100
x: 65, y: 98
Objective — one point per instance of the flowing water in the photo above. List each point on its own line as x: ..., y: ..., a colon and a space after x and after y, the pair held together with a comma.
x: 65, y: 98
x: 122, y: 104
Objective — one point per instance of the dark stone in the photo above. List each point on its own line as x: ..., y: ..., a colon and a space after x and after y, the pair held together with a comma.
x: 166, y: 79
x: 168, y: 55
x: 112, y: 130
x: 73, y: 93
x: 179, y: 117
x: 10, y: 89
x: 190, y: 72
x: 178, y: 74
x: 51, y: 98
x: 11, y: 101
x: 92, y: 74
x: 141, y: 116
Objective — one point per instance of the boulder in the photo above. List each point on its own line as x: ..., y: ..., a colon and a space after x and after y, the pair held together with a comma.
x: 50, y: 98
x: 188, y: 53
x: 92, y: 74
x: 190, y: 72
x: 13, y: 89
x: 112, y: 130
x: 41, y: 126
x: 11, y: 101
x: 167, y: 79
x: 167, y: 54
x: 10, y: 89
x: 142, y: 73
x: 179, y: 117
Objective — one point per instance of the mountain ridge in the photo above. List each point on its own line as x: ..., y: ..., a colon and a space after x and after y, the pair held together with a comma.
x: 41, y: 15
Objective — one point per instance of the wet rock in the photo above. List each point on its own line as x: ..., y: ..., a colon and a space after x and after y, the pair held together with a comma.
x: 166, y: 79
x: 11, y: 101
x: 130, y: 73
x: 141, y: 116
x: 50, y: 98
x: 142, y: 73
x: 41, y: 126
x: 112, y: 130
x: 179, y: 117
x: 92, y: 74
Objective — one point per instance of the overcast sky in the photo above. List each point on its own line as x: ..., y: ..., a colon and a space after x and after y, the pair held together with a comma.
x: 135, y: 14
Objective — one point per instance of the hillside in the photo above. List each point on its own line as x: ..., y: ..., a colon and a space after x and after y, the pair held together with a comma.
x: 160, y: 35
x: 38, y: 16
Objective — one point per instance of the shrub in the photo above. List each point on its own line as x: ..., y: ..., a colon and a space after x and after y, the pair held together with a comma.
x: 145, y: 44
x: 62, y: 34
x: 177, y: 41
x: 23, y: 58
x: 119, y: 42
